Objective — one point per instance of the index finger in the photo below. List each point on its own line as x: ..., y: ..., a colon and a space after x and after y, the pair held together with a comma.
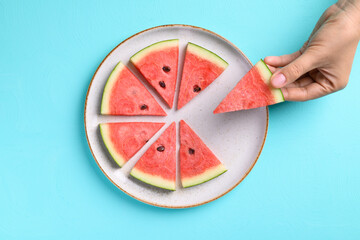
x: 308, y: 92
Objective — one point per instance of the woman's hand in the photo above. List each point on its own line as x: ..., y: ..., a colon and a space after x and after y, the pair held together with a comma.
x: 322, y: 66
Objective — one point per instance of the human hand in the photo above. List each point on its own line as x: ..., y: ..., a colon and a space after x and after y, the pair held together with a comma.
x: 322, y: 66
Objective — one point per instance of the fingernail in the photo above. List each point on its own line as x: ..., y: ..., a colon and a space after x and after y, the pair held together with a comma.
x: 279, y: 80
x: 268, y: 59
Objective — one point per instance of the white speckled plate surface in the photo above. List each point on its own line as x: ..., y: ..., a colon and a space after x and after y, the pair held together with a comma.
x: 236, y: 138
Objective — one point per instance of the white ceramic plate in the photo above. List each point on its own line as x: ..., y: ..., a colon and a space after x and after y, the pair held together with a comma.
x: 236, y: 138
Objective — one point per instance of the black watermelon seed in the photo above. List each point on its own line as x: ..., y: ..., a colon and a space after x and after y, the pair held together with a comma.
x: 143, y: 107
x: 191, y: 151
x: 162, y: 84
x: 197, y: 88
x: 166, y: 69
x: 160, y: 148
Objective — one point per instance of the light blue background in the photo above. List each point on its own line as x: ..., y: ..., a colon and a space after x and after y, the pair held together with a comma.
x: 304, y: 186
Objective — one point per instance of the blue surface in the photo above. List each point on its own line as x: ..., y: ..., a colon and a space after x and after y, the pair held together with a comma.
x: 304, y: 186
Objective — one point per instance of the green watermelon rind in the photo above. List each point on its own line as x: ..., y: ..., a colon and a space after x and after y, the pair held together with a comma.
x: 105, y: 108
x: 204, y: 177
x: 104, y: 131
x: 156, y: 181
x: 207, y: 54
x: 153, y: 47
x: 276, y: 92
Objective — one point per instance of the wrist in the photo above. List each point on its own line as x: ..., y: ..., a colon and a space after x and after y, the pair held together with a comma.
x: 352, y: 10
x: 345, y: 4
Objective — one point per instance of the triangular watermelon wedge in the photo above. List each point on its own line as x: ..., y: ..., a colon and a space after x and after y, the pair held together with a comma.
x: 125, y: 139
x: 198, y: 163
x: 158, y: 63
x: 157, y: 166
x: 124, y: 94
x: 201, y: 68
x: 252, y: 91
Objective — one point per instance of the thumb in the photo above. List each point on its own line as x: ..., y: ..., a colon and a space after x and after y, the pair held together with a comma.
x: 294, y: 70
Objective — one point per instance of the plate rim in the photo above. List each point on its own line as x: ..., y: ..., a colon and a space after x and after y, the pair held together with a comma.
x: 135, y: 197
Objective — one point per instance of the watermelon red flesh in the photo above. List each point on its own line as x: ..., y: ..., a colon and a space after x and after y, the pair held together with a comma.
x: 252, y: 91
x: 157, y: 166
x: 201, y: 68
x: 198, y: 163
x: 123, y: 140
x: 124, y: 94
x: 158, y: 63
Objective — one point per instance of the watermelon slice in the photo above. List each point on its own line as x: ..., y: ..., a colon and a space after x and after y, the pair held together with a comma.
x: 252, y: 91
x: 197, y: 162
x: 158, y: 63
x: 124, y: 94
x: 157, y: 166
x: 123, y: 140
x: 201, y: 68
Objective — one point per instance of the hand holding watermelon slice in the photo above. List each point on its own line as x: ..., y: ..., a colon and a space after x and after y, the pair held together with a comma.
x: 323, y: 65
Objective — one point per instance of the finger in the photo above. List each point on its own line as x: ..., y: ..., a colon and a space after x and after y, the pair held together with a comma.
x: 272, y: 69
x: 311, y: 91
x: 302, y: 82
x: 280, y: 61
x: 294, y: 70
